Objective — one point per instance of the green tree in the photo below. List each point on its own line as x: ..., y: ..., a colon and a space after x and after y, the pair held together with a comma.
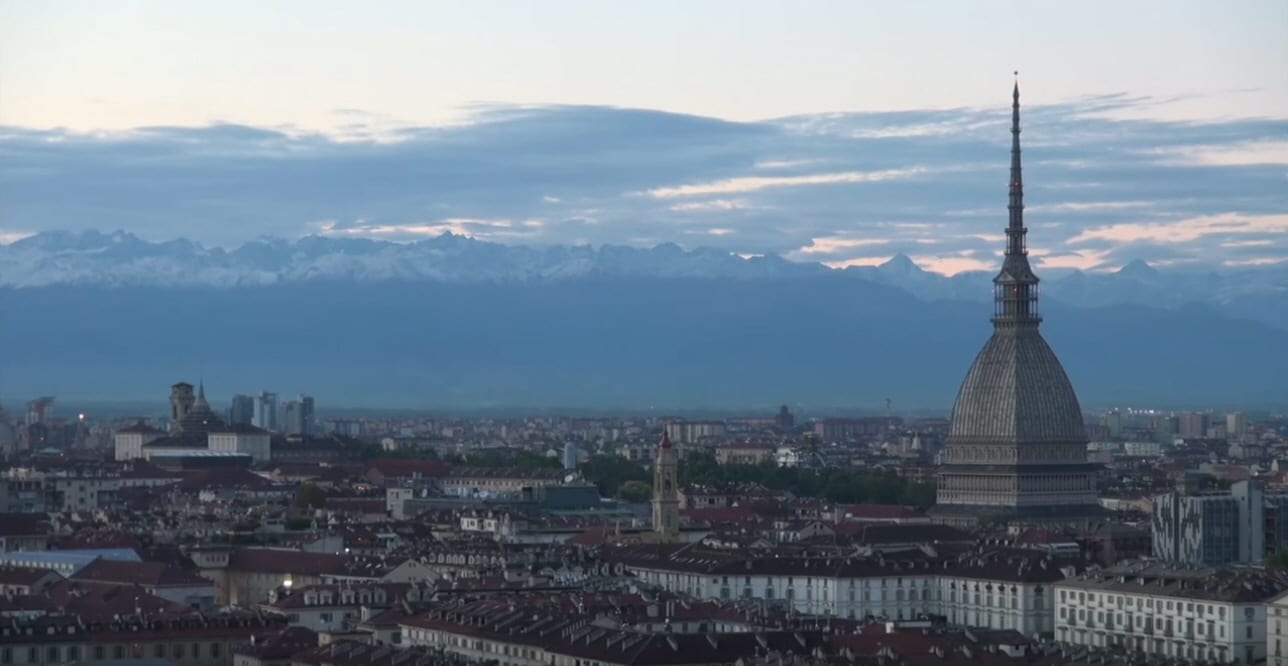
x: 1278, y: 560
x: 609, y: 473
x: 635, y: 491
x: 310, y: 496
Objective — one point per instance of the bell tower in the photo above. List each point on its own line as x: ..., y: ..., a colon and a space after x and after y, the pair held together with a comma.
x: 666, y: 494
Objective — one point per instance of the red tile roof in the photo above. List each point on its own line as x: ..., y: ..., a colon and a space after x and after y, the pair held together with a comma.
x: 22, y: 524
x: 267, y: 560
x: 880, y: 512
x: 24, y: 575
x: 146, y: 574
x: 721, y: 515
x: 392, y: 468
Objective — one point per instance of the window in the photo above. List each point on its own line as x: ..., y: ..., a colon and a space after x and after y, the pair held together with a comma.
x: 6, y: 656
x: 196, y: 650
x: 118, y: 652
x: 1249, y: 631
x: 98, y: 652
x: 52, y: 653
x: 73, y: 653
x: 178, y: 651
x: 158, y: 650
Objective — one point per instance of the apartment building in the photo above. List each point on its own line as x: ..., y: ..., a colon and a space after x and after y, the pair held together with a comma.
x: 1192, y: 613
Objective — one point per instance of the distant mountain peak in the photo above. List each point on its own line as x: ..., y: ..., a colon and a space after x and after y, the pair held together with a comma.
x: 900, y: 263
x: 1138, y: 267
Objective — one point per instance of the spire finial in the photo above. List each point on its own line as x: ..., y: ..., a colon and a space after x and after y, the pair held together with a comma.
x: 1016, y: 285
x: 1016, y: 226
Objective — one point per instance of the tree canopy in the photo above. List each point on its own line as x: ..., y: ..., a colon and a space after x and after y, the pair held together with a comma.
x: 836, y: 484
x: 310, y: 496
x: 635, y: 491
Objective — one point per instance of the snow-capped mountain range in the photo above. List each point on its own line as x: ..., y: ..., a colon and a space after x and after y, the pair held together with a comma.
x: 121, y: 259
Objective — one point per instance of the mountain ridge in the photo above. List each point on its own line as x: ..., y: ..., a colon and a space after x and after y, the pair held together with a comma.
x: 122, y: 259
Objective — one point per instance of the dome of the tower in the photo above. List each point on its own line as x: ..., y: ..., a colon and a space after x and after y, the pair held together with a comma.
x: 1017, y: 392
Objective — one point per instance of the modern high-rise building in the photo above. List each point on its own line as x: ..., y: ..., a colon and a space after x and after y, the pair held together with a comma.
x: 1016, y: 452
x: 298, y: 416
x: 1194, y: 425
x: 1236, y: 426
x: 1166, y: 428
x: 242, y: 410
x: 1114, y: 422
x: 40, y: 410
x: 571, y: 455
x: 266, y: 411
x: 1240, y: 526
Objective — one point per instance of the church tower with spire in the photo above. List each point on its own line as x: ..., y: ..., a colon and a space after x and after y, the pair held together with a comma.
x: 1017, y: 449
x: 666, y: 492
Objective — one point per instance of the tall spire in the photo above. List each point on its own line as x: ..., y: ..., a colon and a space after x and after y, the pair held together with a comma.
x: 1015, y: 291
x: 1015, y: 231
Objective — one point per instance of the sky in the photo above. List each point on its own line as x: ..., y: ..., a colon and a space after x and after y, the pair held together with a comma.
x: 840, y: 132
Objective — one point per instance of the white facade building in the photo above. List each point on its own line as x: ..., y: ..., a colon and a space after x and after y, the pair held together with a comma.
x: 1003, y: 588
x: 256, y: 442
x: 1205, y: 615
x: 1277, y: 631
x: 130, y: 440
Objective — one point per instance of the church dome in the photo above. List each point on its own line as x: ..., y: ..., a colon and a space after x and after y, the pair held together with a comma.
x: 1017, y: 392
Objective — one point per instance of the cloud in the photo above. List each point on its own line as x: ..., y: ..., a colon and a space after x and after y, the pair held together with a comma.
x: 952, y: 265
x: 855, y: 262
x: 1186, y: 231
x: 717, y: 205
x: 1104, y: 184
x: 1239, y: 154
x: 754, y: 183
x: 832, y: 245
x: 473, y: 228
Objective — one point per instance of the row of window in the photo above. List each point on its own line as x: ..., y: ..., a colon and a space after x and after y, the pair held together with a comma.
x: 1212, y: 654
x: 71, y: 653
x: 1124, y: 601
x: 1160, y: 623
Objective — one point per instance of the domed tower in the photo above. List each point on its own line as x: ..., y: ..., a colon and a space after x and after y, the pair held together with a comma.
x: 1016, y: 450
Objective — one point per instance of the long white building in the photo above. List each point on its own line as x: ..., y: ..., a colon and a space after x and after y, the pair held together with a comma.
x: 993, y: 587
x: 1198, y: 614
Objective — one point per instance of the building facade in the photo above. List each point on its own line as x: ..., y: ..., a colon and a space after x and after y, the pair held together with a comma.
x: 1241, y: 526
x: 266, y: 411
x: 1196, y: 614
x: 130, y: 440
x: 255, y: 442
x: 1005, y: 588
